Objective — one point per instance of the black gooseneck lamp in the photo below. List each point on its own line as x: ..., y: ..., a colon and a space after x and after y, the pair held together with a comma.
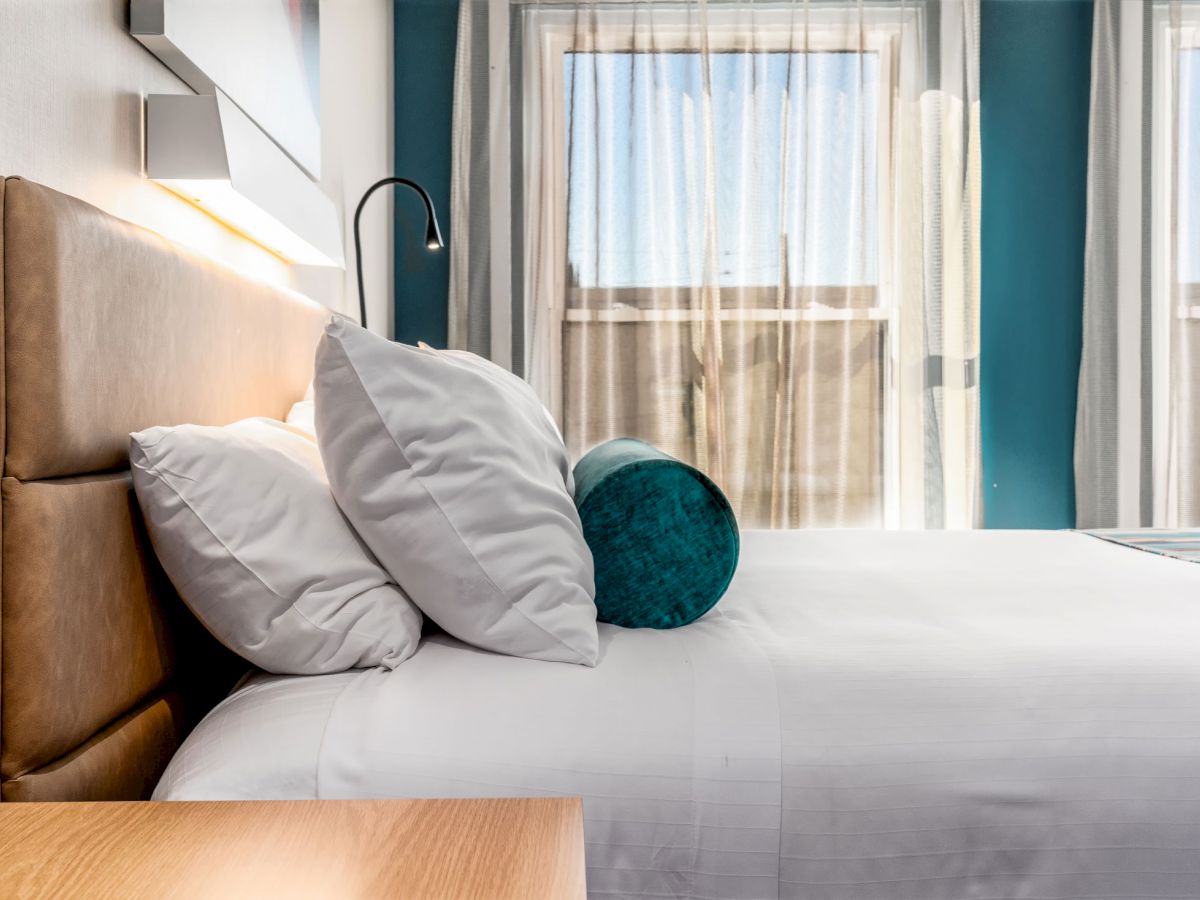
x: 433, y: 235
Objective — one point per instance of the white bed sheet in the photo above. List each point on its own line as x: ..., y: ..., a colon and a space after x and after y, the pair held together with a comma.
x: 865, y: 716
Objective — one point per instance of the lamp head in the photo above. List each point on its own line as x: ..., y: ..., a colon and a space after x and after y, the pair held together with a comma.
x: 433, y: 234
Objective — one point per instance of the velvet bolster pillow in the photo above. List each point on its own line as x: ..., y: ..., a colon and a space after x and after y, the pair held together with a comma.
x: 663, y: 537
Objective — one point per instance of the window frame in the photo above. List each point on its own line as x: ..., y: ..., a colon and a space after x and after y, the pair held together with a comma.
x: 547, y: 35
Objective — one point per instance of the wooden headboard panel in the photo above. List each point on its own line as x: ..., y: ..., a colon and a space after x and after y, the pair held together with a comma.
x: 108, y: 329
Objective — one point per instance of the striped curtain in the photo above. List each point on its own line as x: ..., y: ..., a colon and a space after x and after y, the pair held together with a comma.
x: 1137, y: 446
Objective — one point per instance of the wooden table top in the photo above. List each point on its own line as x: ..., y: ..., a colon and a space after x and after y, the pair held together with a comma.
x: 490, y: 849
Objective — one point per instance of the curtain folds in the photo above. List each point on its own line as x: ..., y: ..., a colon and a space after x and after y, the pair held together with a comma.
x: 1137, y: 444
x: 1097, y: 421
x: 747, y: 232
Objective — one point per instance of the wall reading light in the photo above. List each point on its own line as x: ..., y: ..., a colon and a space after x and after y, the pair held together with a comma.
x: 209, y: 152
x: 433, y: 234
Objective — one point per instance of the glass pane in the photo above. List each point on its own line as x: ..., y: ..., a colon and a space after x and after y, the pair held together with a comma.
x: 1187, y: 296
x: 793, y: 431
x: 783, y: 186
x: 1188, y: 233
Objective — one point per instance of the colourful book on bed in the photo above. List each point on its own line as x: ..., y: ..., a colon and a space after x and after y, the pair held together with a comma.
x: 1179, y: 543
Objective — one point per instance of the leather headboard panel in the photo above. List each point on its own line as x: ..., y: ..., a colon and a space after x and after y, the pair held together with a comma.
x: 109, y: 329
x: 122, y: 762
x: 96, y: 605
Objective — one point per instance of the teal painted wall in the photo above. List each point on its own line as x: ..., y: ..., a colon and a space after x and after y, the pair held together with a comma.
x: 1035, y: 77
x: 425, y: 35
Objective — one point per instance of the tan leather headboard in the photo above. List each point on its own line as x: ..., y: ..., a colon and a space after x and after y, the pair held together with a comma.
x: 108, y: 329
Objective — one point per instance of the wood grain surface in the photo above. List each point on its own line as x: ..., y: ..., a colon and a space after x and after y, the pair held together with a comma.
x: 524, y: 848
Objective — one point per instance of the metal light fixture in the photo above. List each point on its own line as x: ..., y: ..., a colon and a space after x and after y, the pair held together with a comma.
x: 433, y: 235
x: 209, y: 152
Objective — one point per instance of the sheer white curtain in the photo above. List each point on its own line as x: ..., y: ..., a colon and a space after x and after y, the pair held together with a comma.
x: 1137, y: 446
x: 745, y: 232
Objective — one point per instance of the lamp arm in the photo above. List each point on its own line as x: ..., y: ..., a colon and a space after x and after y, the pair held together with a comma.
x: 433, y: 234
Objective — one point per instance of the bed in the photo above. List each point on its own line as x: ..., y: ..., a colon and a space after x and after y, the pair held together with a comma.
x: 878, y: 715
x: 865, y: 716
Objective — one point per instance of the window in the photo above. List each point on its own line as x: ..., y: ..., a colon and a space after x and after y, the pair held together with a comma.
x: 748, y: 236
x: 795, y: 262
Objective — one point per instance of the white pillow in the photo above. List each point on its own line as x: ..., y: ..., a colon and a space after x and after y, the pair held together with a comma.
x: 302, y: 415
x: 454, y: 474
x: 243, y: 522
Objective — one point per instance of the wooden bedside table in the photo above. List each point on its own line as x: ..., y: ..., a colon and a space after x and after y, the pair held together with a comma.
x: 495, y: 848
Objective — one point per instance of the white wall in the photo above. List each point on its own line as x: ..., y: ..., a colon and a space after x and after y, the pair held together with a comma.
x: 357, y: 81
x: 71, y: 114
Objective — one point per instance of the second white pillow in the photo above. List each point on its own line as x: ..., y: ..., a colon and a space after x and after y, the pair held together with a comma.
x: 455, y: 476
x: 245, y: 526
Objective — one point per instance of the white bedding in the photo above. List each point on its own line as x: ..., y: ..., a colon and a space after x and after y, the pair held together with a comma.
x: 865, y: 716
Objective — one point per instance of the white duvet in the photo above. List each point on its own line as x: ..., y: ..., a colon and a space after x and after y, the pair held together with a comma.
x: 865, y: 716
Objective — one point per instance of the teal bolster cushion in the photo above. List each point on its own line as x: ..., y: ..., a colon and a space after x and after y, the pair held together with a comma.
x: 663, y: 536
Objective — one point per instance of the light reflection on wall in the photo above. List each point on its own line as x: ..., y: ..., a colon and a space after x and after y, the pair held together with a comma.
x: 156, y: 208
